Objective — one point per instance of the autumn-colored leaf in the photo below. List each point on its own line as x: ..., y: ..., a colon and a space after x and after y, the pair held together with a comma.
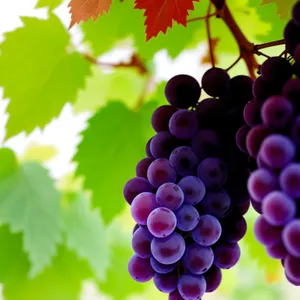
x: 160, y: 16
x: 283, y: 7
x: 82, y: 10
x: 206, y: 59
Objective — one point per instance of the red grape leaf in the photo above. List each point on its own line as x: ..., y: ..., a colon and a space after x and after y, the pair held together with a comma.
x: 161, y: 13
x: 82, y: 10
x: 283, y: 7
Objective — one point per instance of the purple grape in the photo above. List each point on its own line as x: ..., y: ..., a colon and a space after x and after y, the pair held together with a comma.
x: 292, y: 281
x: 297, y: 55
x: 261, y: 182
x: 296, y: 131
x: 212, y: 172
x: 161, y: 222
x: 241, y: 89
x: 141, y: 241
x: 161, y: 171
x: 277, y: 251
x: 216, y: 203
x: 296, y: 13
x: 187, y: 217
x: 292, y: 267
x: 134, y: 187
x: 263, y: 89
x: 198, y: 259
x: 183, y: 124
x: 241, y: 210
x: 213, y: 278
x: 241, y: 136
x: 252, y: 113
x: 265, y: 233
x: 142, y: 205
x: 161, y: 116
x: 193, y: 189
x: 216, y: 82
x: 140, y: 269
x: 191, y: 287
x: 161, y: 268
x: 170, y: 195
x: 142, y: 167
x: 276, y: 70
x: 166, y: 283
x: 291, y: 90
x: 162, y: 144
x: 255, y: 137
x: 233, y: 228
x: 277, y: 151
x: 291, y: 236
x: 208, y: 230
x: 184, y: 160
x: 290, y: 180
x: 206, y: 143
x: 277, y: 112
x: 227, y: 255
x: 256, y: 206
x: 182, y: 91
x: 291, y: 36
x: 175, y: 296
x: 168, y: 250
x: 148, y: 151
x: 278, y: 208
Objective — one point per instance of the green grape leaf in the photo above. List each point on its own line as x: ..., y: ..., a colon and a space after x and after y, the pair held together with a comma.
x: 85, y: 233
x: 117, y: 275
x: 29, y: 203
x: 122, y: 83
x: 49, y: 3
x: 284, y: 7
x: 158, y: 95
x: 50, y: 76
x: 111, y: 147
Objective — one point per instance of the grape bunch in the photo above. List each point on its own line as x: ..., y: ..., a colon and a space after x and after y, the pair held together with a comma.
x: 190, y: 193
x: 271, y: 136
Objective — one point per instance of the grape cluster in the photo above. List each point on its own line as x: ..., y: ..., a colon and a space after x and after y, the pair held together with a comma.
x: 190, y: 193
x: 271, y: 136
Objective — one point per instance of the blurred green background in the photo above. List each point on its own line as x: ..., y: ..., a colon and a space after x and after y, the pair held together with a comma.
x: 74, y: 121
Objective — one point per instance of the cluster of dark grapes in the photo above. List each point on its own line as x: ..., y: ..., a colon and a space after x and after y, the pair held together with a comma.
x: 272, y: 138
x: 190, y: 193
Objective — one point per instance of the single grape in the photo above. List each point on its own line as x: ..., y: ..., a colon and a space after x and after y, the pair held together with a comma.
x: 162, y: 144
x: 213, y: 278
x: 291, y: 91
x: 227, y: 255
x: 166, y: 283
x: 233, y: 228
x: 265, y: 233
x: 212, y: 172
x: 241, y: 209
x: 182, y: 91
x: 241, y: 89
x: 292, y: 268
x: 193, y: 188
x: 134, y: 187
x: 191, y: 287
x: 292, y: 281
x: 261, y: 182
x: 161, y: 116
x: 276, y: 69
x: 161, y: 171
x: 256, y: 206
x: 183, y: 124
x: 206, y: 143
x: 142, y: 167
x: 170, y: 195
x: 208, y: 230
x: 187, y: 217
x: 296, y: 131
x: 141, y: 241
x: 184, y: 160
x: 161, y: 268
x: 216, y: 82
x: 140, y: 269
x: 175, y: 296
x: 291, y: 236
x: 168, y: 250
x: 290, y: 180
x: 296, y: 13
x: 161, y: 222
x: 241, y: 136
x: 255, y: 137
x: 291, y: 36
x: 277, y: 150
x: 263, y: 89
x: 141, y: 206
x: 252, y: 113
x: 198, y: 259
x: 277, y: 251
x: 277, y: 112
x: 216, y: 203
x: 297, y: 55
x: 278, y: 208
x: 147, y: 149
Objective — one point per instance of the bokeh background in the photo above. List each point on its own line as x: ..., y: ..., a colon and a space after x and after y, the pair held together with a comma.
x: 90, y: 260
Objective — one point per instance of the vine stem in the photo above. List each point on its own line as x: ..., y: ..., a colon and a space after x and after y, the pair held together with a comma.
x: 201, y: 18
x: 268, y: 45
x: 208, y: 32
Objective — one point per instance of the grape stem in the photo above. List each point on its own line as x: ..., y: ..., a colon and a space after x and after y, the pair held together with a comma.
x: 202, y: 18
x: 268, y: 45
x: 208, y: 32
